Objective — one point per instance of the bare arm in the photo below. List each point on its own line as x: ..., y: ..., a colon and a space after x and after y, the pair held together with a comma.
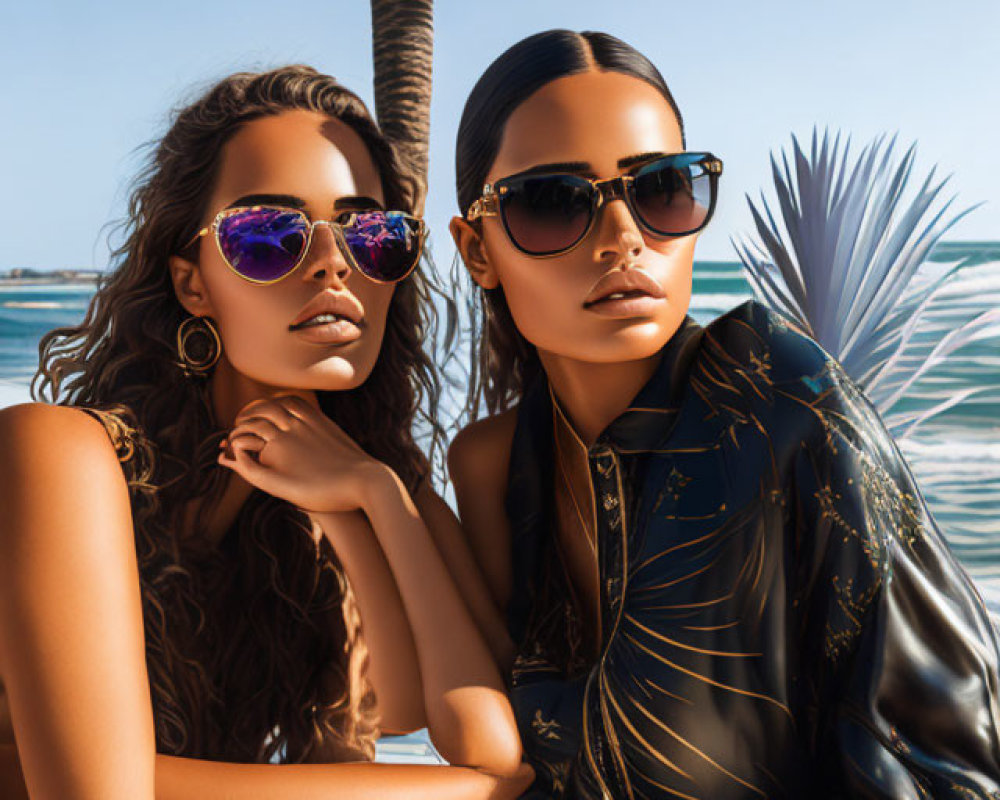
x: 191, y: 779
x: 468, y: 715
x: 71, y: 639
x: 478, y: 460
x: 291, y: 450
x: 466, y: 572
x: 393, y: 668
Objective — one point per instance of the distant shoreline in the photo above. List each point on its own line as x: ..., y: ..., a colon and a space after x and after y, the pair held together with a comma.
x: 45, y: 280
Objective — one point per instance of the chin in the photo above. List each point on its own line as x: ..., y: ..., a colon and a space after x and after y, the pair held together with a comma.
x: 629, y: 343
x: 336, y: 375
x: 633, y: 351
x: 333, y: 374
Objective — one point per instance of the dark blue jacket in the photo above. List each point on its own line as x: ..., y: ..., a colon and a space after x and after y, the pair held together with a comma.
x: 781, y: 616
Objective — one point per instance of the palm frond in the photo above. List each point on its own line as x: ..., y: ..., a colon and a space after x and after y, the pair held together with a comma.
x: 847, y: 257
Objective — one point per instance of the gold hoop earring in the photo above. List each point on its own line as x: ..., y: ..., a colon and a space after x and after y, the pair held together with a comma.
x: 198, y: 346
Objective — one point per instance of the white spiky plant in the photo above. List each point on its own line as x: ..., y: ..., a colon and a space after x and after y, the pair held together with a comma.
x: 852, y: 267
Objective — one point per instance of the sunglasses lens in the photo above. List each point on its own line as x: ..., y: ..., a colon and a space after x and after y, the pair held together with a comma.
x: 263, y: 244
x: 673, y: 195
x: 385, y: 244
x: 547, y: 214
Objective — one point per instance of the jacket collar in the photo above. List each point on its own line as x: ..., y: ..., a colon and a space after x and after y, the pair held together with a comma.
x: 651, y: 415
x: 644, y: 425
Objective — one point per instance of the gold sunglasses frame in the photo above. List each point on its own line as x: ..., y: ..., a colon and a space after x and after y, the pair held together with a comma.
x: 488, y: 203
x: 337, y: 228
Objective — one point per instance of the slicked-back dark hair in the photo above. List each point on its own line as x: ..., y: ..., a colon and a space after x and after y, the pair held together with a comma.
x: 503, y: 360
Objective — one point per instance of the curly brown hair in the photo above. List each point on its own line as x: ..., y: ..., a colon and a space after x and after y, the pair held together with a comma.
x: 252, y: 649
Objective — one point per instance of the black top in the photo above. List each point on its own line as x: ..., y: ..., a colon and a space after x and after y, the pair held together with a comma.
x: 780, y: 615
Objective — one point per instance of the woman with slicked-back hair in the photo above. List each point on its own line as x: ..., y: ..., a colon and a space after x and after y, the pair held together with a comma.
x: 719, y: 576
x: 224, y: 571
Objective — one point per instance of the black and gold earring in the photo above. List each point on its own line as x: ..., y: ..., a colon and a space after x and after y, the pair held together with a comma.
x: 198, y: 346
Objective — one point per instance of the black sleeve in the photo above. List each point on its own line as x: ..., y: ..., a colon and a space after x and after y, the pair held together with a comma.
x: 904, y: 654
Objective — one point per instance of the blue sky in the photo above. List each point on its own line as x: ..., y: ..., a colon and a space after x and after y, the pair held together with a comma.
x: 86, y: 83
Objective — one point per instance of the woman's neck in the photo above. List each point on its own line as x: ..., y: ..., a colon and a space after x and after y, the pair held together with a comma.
x: 231, y: 390
x: 593, y: 395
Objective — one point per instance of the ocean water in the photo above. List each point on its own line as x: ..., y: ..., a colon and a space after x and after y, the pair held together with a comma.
x: 26, y: 313
x: 955, y: 457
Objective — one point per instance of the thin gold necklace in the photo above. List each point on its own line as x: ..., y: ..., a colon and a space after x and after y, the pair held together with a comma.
x: 595, y: 637
x: 587, y: 535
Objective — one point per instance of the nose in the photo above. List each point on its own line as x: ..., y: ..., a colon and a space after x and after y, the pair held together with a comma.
x: 325, y: 261
x: 619, y: 237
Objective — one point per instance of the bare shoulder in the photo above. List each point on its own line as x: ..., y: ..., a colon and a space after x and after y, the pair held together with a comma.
x: 71, y: 636
x: 41, y: 427
x: 56, y: 460
x: 482, y: 448
x: 478, y: 460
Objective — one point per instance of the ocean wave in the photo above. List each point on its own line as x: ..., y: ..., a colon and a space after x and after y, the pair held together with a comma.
x: 48, y: 288
x: 715, y: 274
x: 983, y: 279
x: 955, y: 448
x: 712, y: 302
x: 42, y: 304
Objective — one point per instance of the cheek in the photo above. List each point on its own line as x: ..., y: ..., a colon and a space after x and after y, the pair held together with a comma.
x: 679, y: 272
x: 237, y: 304
x: 537, y: 304
x: 252, y: 320
x: 375, y: 298
x: 542, y: 294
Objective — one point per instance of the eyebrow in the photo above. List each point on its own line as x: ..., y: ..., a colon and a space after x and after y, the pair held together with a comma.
x: 630, y: 161
x: 584, y: 168
x: 289, y: 200
x: 292, y: 201
x: 561, y: 166
x: 357, y: 201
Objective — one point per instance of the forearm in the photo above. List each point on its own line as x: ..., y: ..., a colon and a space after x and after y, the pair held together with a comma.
x: 393, y: 669
x: 492, y: 626
x: 193, y: 779
x: 468, y: 715
x: 466, y: 572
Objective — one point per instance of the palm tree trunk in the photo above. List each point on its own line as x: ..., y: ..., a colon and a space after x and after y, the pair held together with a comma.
x: 403, y: 46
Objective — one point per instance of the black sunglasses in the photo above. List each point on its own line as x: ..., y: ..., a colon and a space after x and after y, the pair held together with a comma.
x: 550, y: 214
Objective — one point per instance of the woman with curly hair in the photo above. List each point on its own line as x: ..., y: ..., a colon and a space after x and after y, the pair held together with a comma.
x: 221, y: 516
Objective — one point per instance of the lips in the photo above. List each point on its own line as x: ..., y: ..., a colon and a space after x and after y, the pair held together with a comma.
x: 342, y: 306
x: 633, y: 282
